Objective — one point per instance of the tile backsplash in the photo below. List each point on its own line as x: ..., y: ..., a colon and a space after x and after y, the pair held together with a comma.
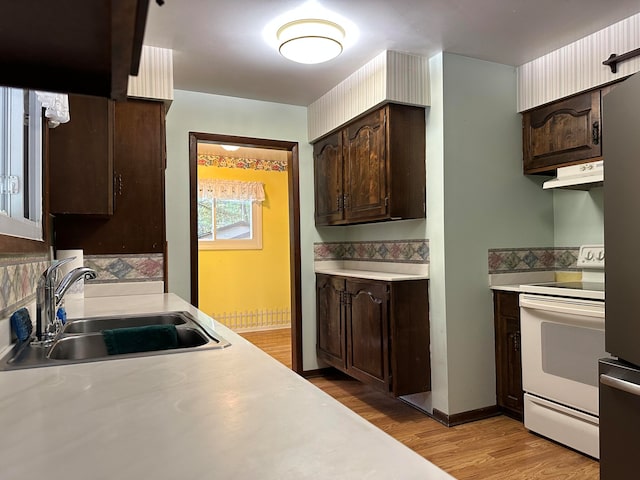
x: 394, y: 251
x: 19, y: 274
x: 126, y: 268
x: 513, y: 260
x: 18, y: 279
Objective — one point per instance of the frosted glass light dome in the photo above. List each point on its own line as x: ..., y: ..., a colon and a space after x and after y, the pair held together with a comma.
x: 310, y: 40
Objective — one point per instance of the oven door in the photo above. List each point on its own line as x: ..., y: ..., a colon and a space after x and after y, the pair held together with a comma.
x: 562, y: 340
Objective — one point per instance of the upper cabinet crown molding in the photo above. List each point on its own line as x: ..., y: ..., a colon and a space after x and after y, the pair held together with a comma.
x: 578, y: 67
x: 72, y: 46
x: 390, y: 77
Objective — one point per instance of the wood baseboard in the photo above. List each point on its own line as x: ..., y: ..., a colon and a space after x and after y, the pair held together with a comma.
x: 465, y: 417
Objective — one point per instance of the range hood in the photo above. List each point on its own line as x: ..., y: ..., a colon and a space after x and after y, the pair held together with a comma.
x: 578, y: 177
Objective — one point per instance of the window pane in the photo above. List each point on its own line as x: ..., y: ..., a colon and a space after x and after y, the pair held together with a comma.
x: 20, y: 163
x: 233, y: 219
x: 205, y: 219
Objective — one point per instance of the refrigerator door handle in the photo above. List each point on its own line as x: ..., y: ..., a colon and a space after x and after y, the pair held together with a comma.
x: 618, y: 384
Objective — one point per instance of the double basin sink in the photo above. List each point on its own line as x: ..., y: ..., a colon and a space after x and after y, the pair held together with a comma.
x: 81, y: 340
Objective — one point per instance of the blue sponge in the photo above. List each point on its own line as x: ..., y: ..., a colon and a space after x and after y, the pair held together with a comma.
x: 21, y: 324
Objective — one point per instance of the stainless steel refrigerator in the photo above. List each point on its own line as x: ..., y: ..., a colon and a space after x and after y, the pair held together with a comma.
x: 620, y: 377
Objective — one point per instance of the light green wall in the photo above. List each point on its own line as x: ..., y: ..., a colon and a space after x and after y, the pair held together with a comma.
x: 488, y: 203
x: 578, y: 217
x: 477, y: 198
x: 198, y: 112
x: 435, y: 226
x: 483, y: 201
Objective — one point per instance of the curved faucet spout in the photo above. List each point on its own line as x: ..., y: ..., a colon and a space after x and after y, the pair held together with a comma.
x: 49, y: 295
x: 70, y: 278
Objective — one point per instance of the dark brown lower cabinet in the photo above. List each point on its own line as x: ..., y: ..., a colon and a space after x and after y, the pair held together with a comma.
x: 375, y: 331
x: 506, y: 312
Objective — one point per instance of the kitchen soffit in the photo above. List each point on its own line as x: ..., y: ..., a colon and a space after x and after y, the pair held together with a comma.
x: 218, y: 46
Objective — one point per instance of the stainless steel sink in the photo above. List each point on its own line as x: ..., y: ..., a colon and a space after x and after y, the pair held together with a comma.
x: 91, y: 345
x: 88, y: 325
x: 81, y: 340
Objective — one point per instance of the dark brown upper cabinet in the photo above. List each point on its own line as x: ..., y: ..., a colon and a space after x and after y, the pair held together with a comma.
x: 372, y: 169
x: 129, y: 180
x: 563, y: 133
x: 81, y: 159
x: 72, y: 46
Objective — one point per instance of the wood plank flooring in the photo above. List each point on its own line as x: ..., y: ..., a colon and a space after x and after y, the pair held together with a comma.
x: 498, y: 448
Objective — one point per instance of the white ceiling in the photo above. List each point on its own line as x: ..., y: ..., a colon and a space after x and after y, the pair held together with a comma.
x: 218, y: 45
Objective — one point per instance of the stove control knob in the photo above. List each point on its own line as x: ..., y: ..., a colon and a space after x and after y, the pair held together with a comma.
x: 589, y: 255
x: 601, y: 255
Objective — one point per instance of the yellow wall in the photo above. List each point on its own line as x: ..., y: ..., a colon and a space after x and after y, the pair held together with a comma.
x: 246, y: 280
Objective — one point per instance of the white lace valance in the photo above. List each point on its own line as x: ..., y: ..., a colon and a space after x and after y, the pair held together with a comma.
x: 230, y: 190
x: 56, y: 107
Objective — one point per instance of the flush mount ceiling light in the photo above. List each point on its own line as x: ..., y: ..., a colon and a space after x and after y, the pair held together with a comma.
x: 310, y: 40
x: 310, y: 33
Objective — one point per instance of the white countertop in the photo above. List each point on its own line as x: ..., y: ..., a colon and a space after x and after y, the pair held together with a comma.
x: 229, y: 414
x: 506, y: 288
x: 390, y: 272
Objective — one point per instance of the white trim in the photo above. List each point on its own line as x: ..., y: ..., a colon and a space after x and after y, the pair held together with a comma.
x: 12, y: 222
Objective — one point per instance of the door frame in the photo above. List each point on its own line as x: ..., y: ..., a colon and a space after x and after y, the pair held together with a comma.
x: 294, y: 223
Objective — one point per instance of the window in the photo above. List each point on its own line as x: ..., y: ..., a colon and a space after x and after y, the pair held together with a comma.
x: 20, y: 163
x: 229, y: 215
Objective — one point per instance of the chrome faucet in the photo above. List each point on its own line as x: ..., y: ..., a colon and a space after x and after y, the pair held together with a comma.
x: 49, y: 294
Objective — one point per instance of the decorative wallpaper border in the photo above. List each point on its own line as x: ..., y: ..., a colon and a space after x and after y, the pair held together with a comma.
x: 18, y: 280
x: 129, y: 268
x: 229, y: 161
x: 511, y: 260
x: 396, y: 251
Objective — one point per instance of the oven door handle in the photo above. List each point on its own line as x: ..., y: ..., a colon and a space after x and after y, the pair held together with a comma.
x: 574, y: 306
x: 619, y: 384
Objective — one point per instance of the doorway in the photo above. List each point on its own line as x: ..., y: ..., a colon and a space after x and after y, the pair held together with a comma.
x: 292, y: 166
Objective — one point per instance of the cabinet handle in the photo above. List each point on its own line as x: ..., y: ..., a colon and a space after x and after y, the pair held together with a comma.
x: 340, y: 203
x: 595, y: 132
x: 346, y: 201
x: 620, y: 384
x: 117, y: 184
x: 516, y: 342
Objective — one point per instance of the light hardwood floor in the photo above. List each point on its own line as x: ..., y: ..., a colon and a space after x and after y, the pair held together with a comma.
x: 498, y: 448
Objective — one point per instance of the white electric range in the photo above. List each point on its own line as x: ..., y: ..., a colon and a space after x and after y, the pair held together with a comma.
x: 562, y: 337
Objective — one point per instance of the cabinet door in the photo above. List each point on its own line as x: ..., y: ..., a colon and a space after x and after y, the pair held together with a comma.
x: 328, y: 176
x: 508, y: 357
x: 368, y: 332
x: 366, y: 187
x: 330, y: 320
x: 137, y: 225
x: 563, y: 133
x: 139, y: 172
x: 81, y: 159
